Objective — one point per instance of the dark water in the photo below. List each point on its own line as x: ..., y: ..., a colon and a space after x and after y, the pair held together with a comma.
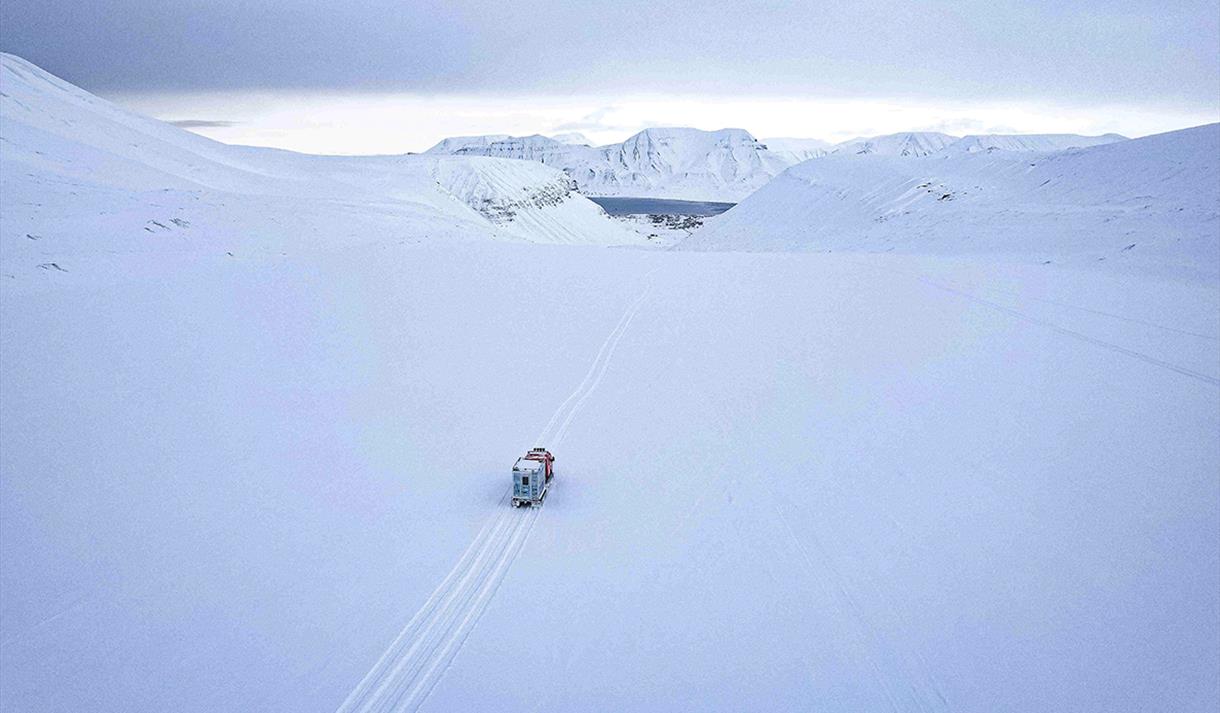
x: 659, y: 206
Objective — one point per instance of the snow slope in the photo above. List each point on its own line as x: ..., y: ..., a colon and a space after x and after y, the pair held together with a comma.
x: 1144, y: 202
x: 677, y: 163
x: 75, y: 165
x: 986, y: 143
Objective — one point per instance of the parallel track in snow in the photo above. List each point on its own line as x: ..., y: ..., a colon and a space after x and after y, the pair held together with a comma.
x: 419, y: 656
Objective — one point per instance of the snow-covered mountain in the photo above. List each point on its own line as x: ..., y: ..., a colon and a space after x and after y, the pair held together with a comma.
x: 453, y: 144
x: 797, y: 150
x: 542, y: 149
x: 728, y: 164
x: 911, y: 144
x: 986, y: 143
x: 682, y: 163
x: 1152, y: 199
x: 85, y: 176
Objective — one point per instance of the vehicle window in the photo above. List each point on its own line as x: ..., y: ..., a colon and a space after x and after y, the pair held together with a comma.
x: 525, y: 480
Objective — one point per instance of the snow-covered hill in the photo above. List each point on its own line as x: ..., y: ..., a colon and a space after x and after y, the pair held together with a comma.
x: 986, y: 143
x: 679, y: 163
x: 81, y: 177
x: 1155, y: 199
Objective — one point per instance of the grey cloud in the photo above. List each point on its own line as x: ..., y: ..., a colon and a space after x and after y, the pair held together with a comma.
x: 1089, y: 51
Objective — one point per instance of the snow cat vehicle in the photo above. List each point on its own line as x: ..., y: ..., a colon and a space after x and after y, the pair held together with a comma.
x: 532, y: 474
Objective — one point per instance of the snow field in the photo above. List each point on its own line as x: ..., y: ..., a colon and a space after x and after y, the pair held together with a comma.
x: 417, y: 659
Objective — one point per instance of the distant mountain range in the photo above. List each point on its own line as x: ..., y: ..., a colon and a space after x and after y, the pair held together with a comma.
x: 1150, y: 200
x: 684, y: 163
x: 724, y: 165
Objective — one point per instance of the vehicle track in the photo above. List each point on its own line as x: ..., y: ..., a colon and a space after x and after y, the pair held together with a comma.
x: 1064, y: 331
x: 1168, y: 366
x: 417, y: 659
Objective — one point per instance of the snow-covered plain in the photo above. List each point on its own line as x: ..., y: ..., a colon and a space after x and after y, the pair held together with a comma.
x: 801, y: 481
x: 274, y: 480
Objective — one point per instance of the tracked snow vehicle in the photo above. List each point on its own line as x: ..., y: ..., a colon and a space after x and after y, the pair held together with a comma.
x: 532, y: 474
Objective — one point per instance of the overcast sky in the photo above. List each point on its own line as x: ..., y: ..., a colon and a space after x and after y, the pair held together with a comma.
x: 391, y: 75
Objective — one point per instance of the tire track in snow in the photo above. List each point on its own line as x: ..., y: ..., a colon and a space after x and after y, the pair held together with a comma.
x: 1205, y: 378
x: 418, y: 658
x: 966, y: 294
x: 632, y: 311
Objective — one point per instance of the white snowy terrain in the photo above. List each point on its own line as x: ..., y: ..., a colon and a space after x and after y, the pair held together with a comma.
x: 678, y: 163
x: 76, y: 166
x: 275, y: 479
x: 1149, y: 201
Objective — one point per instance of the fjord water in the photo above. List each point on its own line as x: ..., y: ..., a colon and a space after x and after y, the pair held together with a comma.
x: 616, y: 205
